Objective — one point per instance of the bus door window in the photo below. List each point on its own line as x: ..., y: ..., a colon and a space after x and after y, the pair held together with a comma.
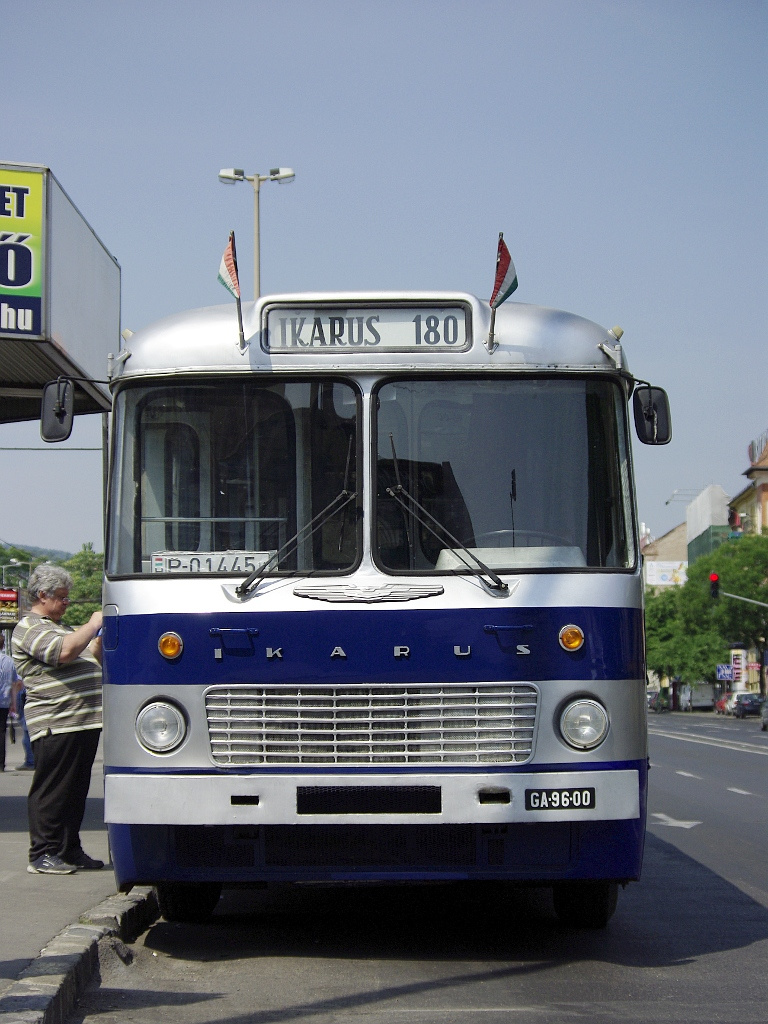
x: 181, y: 458
x: 253, y: 471
x: 170, y: 500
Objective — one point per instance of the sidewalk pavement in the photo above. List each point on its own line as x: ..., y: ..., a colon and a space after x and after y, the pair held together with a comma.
x: 50, y: 925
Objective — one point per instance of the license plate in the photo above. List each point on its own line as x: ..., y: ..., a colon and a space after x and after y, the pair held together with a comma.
x: 577, y: 799
x: 209, y: 561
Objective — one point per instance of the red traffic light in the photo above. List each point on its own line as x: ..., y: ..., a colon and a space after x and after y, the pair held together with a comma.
x: 714, y: 584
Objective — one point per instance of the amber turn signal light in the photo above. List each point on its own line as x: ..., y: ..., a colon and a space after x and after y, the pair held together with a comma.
x: 571, y: 638
x: 170, y: 645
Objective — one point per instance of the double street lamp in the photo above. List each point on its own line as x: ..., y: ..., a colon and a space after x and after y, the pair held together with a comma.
x: 16, y: 565
x: 282, y: 175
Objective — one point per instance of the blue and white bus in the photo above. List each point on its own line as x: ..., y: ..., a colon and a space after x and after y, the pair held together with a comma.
x: 373, y: 600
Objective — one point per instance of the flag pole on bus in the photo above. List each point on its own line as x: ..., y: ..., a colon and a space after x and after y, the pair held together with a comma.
x: 503, y: 285
x: 228, y: 277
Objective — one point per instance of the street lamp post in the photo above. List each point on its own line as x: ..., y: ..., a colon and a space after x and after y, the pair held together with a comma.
x: 282, y: 175
x: 15, y: 564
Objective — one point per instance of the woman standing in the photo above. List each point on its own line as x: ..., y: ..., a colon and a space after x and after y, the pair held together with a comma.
x: 61, y: 670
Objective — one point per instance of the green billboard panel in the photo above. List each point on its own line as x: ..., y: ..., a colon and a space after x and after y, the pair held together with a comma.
x: 22, y: 252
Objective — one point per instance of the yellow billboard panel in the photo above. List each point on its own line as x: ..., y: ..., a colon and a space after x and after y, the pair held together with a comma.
x: 22, y: 249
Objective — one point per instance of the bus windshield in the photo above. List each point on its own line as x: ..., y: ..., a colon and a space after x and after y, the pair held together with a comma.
x: 525, y: 473
x: 222, y: 476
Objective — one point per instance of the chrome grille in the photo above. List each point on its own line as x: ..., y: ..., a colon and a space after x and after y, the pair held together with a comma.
x: 433, y: 723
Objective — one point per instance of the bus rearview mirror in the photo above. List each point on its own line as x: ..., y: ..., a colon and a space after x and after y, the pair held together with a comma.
x: 653, y: 422
x: 57, y: 410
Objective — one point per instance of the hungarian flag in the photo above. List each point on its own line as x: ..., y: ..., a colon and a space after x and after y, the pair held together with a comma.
x: 506, y: 275
x: 228, y: 268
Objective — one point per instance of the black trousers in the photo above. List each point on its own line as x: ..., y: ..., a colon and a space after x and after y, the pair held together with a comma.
x: 3, y: 722
x: 56, y: 802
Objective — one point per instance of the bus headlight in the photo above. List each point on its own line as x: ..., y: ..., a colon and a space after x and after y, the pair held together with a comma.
x: 584, y: 724
x: 161, y: 727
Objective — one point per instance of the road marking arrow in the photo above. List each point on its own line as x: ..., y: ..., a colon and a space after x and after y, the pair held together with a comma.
x: 664, y: 819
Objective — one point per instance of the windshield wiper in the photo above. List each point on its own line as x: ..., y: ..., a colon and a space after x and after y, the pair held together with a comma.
x: 425, y: 519
x: 342, y: 499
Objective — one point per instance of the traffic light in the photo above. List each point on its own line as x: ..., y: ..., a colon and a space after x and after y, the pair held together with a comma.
x: 714, y: 585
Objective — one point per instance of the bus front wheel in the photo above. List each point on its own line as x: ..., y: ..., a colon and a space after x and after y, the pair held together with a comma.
x: 188, y: 901
x: 585, y: 904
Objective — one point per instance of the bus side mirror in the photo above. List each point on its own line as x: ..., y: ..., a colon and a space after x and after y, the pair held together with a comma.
x: 653, y: 422
x: 57, y: 410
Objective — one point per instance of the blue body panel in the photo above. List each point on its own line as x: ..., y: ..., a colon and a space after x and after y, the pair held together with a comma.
x: 368, y: 639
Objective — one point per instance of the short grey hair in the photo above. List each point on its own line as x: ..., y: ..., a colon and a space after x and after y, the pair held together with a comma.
x: 46, y: 580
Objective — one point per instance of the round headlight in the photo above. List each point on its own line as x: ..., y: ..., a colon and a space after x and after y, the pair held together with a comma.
x: 584, y: 724
x: 161, y: 727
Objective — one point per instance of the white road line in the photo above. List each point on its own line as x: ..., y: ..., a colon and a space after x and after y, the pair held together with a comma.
x: 664, y: 819
x: 741, y: 792
x: 688, y: 775
x: 744, y: 748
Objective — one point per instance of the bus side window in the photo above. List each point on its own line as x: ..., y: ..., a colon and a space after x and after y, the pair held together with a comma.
x: 170, y: 487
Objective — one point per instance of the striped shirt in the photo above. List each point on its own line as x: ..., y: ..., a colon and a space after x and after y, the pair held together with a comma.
x: 60, y: 698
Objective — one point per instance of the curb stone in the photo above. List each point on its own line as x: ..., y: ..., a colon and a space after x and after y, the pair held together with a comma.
x: 47, y: 991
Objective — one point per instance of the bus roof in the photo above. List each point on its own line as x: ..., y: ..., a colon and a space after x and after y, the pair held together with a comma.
x: 526, y: 337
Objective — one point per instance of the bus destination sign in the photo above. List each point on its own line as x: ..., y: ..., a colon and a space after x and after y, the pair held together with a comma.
x: 367, y: 329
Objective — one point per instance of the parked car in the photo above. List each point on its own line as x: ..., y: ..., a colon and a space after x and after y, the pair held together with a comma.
x: 721, y: 702
x: 747, y: 704
x: 658, y: 703
x: 730, y: 702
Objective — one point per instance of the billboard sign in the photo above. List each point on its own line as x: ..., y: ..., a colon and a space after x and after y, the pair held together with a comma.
x: 59, y: 296
x: 739, y: 665
x: 9, y: 607
x: 665, y: 574
x: 22, y: 252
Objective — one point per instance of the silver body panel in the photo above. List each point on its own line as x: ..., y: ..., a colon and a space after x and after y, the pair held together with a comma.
x: 528, y: 337
x: 206, y: 800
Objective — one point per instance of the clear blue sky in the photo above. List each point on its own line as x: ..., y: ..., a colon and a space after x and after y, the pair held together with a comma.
x: 620, y: 145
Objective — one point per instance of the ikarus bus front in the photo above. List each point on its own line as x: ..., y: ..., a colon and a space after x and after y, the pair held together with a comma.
x: 373, y: 600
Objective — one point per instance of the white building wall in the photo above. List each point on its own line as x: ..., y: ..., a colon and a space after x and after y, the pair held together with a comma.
x: 710, y: 508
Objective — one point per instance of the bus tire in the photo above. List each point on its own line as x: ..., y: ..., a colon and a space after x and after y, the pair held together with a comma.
x: 188, y: 901
x: 585, y: 904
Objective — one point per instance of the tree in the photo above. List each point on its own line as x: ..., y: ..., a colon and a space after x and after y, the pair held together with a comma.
x: 743, y: 569
x: 688, y: 633
x: 662, y: 633
x: 86, y: 569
